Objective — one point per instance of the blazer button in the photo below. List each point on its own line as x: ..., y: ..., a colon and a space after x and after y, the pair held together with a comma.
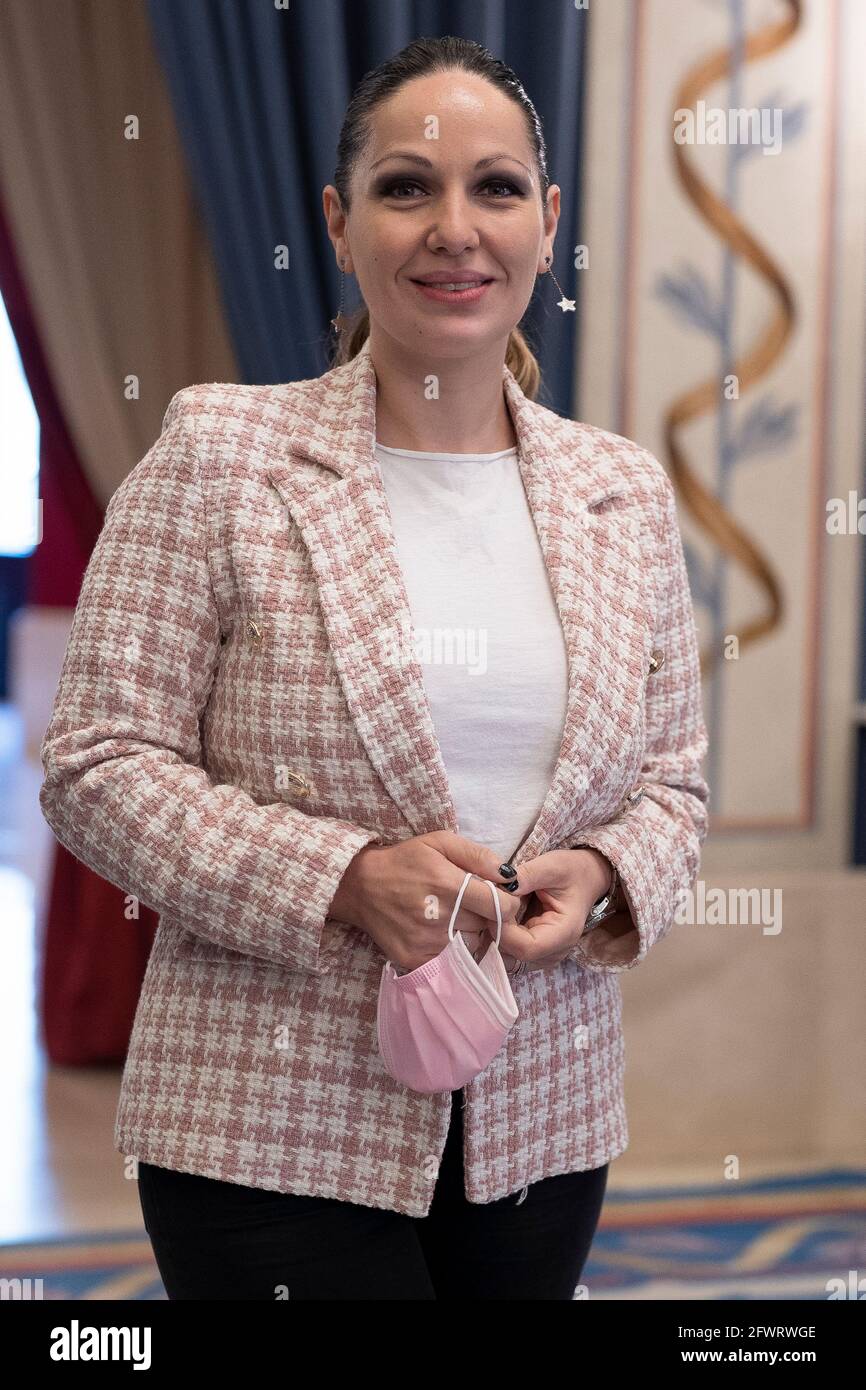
x: 254, y: 632
x: 657, y: 659
x: 299, y: 784
x: 634, y: 796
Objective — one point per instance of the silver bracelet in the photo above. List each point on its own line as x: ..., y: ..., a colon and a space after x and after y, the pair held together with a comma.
x: 603, y: 907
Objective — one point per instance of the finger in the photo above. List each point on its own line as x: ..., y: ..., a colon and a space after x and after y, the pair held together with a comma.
x: 469, y: 923
x: 542, y: 963
x: 473, y: 858
x: 467, y: 854
x: 478, y: 900
x: 517, y: 941
x: 538, y: 937
x: 533, y: 874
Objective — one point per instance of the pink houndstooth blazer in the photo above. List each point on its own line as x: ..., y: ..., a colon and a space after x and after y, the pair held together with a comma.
x: 231, y: 727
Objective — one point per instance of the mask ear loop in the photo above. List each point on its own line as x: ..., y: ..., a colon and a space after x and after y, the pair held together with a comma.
x: 457, y: 903
x: 459, y: 899
x: 498, y: 910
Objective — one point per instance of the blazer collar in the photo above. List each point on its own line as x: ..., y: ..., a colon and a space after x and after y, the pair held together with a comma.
x: 338, y: 429
x: 343, y: 518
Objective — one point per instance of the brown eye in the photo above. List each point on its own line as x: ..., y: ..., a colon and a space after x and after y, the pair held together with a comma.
x: 387, y: 190
x: 503, y: 183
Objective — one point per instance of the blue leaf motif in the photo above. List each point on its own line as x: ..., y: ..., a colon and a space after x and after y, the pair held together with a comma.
x: 691, y: 298
x: 792, y: 124
x: 763, y: 426
x: 700, y: 582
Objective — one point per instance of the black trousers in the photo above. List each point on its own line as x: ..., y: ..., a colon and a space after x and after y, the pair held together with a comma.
x: 221, y: 1240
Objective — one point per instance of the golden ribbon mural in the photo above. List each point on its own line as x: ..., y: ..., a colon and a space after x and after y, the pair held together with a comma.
x: 711, y: 516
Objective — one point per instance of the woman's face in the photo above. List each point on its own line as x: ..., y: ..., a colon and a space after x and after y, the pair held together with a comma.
x: 420, y: 205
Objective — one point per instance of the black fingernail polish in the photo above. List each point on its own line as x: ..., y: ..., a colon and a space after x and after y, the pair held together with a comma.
x: 509, y: 887
x: 507, y: 870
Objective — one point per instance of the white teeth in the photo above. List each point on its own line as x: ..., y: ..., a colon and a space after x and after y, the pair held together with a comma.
x: 455, y: 285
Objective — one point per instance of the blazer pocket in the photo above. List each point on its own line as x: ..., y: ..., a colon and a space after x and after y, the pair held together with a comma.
x: 191, y: 947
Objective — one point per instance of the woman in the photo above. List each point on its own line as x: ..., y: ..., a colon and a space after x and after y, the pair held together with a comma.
x: 246, y: 739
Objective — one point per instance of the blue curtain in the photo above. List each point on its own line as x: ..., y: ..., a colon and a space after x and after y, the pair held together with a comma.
x: 259, y: 96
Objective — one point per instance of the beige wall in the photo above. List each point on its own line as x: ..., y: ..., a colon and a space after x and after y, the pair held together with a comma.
x: 783, y: 728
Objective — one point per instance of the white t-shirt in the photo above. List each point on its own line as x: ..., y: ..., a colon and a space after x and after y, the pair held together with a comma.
x: 486, y: 631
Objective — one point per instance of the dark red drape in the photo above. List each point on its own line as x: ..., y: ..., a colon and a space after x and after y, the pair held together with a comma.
x: 91, y: 959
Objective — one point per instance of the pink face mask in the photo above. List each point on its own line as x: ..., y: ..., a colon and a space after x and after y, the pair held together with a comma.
x: 442, y: 1024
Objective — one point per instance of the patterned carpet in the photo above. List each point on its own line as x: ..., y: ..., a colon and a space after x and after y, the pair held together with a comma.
x: 118, y: 1265
x: 777, y: 1238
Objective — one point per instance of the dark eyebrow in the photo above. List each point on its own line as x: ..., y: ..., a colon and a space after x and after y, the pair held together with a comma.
x: 428, y: 163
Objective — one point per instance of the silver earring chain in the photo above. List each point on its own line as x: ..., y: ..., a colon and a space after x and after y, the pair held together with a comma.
x: 564, y: 304
x: 338, y: 322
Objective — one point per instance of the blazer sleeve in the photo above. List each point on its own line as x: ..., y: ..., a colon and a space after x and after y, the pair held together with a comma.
x: 124, y: 788
x: 655, y: 843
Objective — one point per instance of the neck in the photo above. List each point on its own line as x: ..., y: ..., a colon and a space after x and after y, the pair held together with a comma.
x: 464, y: 412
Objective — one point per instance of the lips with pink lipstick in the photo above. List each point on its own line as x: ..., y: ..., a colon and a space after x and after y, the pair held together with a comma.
x: 453, y: 286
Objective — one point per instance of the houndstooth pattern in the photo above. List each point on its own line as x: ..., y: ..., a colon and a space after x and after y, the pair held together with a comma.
x: 231, y: 727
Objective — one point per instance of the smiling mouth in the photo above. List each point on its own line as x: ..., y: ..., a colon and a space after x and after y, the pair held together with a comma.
x: 458, y: 291
x: 469, y: 281
x: 452, y: 284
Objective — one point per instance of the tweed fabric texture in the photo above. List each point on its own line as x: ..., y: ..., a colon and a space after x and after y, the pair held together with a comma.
x: 236, y: 717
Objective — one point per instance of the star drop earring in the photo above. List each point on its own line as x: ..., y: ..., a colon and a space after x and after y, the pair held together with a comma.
x: 564, y: 304
x: 338, y: 322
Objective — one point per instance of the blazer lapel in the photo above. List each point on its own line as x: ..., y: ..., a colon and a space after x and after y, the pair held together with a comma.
x: 329, y: 480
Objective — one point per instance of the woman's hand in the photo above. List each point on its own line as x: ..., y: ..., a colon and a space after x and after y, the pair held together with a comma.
x: 566, y: 883
x: 402, y: 896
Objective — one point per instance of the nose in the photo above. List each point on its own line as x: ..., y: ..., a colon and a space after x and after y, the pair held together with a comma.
x: 453, y: 229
